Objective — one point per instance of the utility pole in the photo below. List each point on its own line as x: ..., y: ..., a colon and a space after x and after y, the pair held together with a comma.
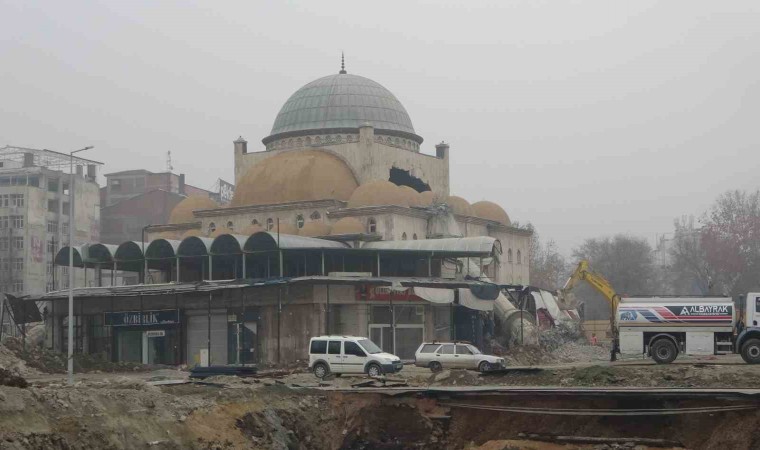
x: 71, y: 265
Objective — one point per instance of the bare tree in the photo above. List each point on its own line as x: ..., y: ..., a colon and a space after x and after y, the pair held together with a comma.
x: 548, y: 268
x: 688, y: 271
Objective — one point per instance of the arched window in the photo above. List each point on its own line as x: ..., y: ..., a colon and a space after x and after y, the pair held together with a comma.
x: 308, y: 140
x: 211, y: 227
x: 299, y: 142
x: 372, y: 225
x: 254, y: 222
x: 403, y: 236
x: 318, y: 140
x: 414, y: 236
x: 270, y: 224
x: 230, y: 226
x: 519, y: 257
x: 299, y: 221
x: 509, y: 255
x: 315, y: 215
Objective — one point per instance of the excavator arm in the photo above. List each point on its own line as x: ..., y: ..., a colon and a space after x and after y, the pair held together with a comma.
x: 584, y: 273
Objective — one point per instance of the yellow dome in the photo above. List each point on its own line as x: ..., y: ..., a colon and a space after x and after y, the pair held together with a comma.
x: 316, y: 228
x: 347, y: 225
x: 295, y: 176
x: 285, y: 228
x: 491, y: 211
x: 250, y: 229
x: 412, y: 196
x: 459, y: 206
x: 377, y: 193
x: 183, y: 212
x: 426, y: 198
x: 192, y: 233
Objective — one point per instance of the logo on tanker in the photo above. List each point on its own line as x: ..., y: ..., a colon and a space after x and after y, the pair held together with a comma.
x: 701, y: 310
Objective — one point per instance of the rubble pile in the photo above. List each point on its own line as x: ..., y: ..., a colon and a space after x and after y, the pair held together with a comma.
x: 8, y: 378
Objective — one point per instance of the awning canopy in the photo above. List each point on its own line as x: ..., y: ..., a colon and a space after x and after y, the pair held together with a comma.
x: 228, y: 244
x: 129, y: 256
x: 267, y: 241
x: 162, y: 249
x: 194, y: 246
x: 101, y: 253
x: 62, y: 257
x: 458, y: 247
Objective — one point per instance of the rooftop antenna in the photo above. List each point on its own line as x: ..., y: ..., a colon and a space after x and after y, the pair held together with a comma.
x: 169, y: 166
x: 342, y: 64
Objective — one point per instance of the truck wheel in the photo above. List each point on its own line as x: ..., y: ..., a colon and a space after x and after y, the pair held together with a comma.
x: 751, y: 351
x: 664, y: 351
x: 435, y: 366
x: 321, y: 370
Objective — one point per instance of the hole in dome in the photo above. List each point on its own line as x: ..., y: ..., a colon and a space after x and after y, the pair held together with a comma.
x: 402, y: 177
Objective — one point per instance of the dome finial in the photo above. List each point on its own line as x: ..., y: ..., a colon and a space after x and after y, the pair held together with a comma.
x: 342, y: 63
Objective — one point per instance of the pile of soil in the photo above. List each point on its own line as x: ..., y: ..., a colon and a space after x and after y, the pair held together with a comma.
x: 8, y: 378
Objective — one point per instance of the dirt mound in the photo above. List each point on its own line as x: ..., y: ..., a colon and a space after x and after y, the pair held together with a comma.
x: 8, y: 378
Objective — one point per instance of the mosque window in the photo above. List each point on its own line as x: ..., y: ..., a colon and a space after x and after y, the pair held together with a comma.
x: 211, y: 227
x: 315, y: 215
x: 317, y: 140
x: 230, y: 226
x: 372, y: 225
x: 519, y: 257
x: 299, y: 142
x: 308, y: 141
x: 509, y: 255
x: 254, y: 222
x: 290, y: 143
x: 414, y: 236
x: 270, y: 224
x: 338, y: 139
x: 299, y: 221
x: 403, y: 236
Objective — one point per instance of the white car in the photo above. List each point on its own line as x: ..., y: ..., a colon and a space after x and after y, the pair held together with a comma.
x: 455, y: 355
x: 350, y: 354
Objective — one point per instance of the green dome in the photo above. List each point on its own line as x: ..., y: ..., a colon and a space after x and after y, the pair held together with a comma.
x: 341, y: 103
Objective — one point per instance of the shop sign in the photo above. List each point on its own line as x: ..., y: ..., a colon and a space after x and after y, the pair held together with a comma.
x: 385, y: 293
x: 141, y: 318
x: 155, y: 333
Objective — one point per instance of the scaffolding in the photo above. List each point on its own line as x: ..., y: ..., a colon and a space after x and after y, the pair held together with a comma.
x: 43, y: 158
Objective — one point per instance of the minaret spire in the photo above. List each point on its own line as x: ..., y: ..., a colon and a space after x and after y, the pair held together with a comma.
x: 342, y: 63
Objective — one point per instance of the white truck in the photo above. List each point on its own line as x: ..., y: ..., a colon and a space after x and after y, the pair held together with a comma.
x: 663, y: 327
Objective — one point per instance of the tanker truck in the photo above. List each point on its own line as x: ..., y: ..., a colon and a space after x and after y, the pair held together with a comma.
x: 664, y: 327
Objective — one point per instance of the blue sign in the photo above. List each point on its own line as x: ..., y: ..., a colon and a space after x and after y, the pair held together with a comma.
x: 141, y: 318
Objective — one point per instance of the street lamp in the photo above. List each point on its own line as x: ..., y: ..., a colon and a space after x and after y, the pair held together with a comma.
x: 71, y: 263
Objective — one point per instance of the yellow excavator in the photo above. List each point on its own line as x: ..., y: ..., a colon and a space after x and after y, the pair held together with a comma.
x: 584, y: 273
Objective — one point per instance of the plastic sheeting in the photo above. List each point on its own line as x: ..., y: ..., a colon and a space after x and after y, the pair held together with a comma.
x: 470, y: 300
x: 545, y: 300
x: 435, y: 295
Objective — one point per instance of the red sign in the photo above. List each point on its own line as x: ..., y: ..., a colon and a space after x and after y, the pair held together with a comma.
x: 385, y: 294
x: 36, y: 249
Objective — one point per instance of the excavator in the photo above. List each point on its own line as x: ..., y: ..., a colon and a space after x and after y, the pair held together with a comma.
x: 584, y: 273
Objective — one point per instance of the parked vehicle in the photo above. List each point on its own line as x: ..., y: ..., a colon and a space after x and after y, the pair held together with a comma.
x: 350, y: 354
x: 455, y: 355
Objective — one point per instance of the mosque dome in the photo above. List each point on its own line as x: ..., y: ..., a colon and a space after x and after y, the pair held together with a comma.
x: 412, y: 197
x: 377, y: 193
x: 312, y: 229
x: 347, y: 225
x: 426, y: 198
x: 491, y: 211
x: 218, y: 232
x: 183, y: 212
x: 250, y: 229
x: 285, y: 228
x: 459, y: 206
x: 301, y: 175
x: 342, y: 103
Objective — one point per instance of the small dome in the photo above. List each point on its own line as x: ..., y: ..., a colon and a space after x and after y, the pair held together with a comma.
x: 316, y: 228
x: 347, y: 225
x: 250, y: 229
x: 459, y: 206
x: 491, y: 211
x: 192, y: 233
x: 183, y: 212
x: 293, y: 176
x: 285, y: 228
x: 377, y: 193
x: 427, y: 198
x: 412, y: 196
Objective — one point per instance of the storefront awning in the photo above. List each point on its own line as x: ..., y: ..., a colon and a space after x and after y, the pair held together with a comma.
x: 267, y: 241
x: 478, y: 246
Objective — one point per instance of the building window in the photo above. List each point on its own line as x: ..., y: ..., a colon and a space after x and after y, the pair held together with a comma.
x: 4, y: 266
x: 18, y: 243
x: 18, y: 286
x: 4, y: 244
x: 403, y: 236
x: 5, y: 200
x: 17, y: 200
x: 53, y: 206
x: 116, y: 185
x: 299, y: 221
x: 17, y: 222
x: 230, y: 226
x: 372, y: 225
x: 519, y: 257
x: 315, y: 215
x: 65, y: 208
x: 211, y: 227
x: 414, y: 236
x: 51, y: 247
x: 52, y: 227
x: 49, y: 267
x: 18, y: 264
x: 34, y: 181
x: 270, y: 224
x: 509, y: 255
x: 52, y: 185
x: 3, y: 222
x: 254, y: 222
x: 65, y: 228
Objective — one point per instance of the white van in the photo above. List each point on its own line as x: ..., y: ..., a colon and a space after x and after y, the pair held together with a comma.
x: 350, y: 354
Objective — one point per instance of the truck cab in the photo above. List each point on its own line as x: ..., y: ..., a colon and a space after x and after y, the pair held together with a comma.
x: 748, y: 339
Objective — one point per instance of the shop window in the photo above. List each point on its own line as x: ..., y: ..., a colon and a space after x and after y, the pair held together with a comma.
x: 509, y: 255
x: 315, y: 215
x: 372, y: 225
x: 299, y: 221
x: 270, y: 224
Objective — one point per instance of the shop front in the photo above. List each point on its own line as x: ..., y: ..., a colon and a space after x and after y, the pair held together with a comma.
x: 146, y: 337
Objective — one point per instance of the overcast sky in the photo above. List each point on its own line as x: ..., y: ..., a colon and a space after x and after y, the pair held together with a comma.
x: 586, y: 118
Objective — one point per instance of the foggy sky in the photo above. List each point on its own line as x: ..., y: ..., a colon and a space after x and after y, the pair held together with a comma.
x: 586, y: 118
